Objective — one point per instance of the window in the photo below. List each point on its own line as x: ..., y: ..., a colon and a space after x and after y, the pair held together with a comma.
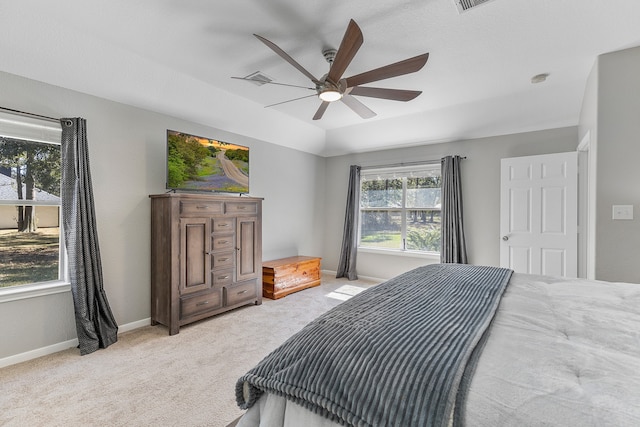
x: 400, y: 208
x: 30, y: 238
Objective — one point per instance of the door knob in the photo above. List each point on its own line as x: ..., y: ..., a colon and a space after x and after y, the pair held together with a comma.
x: 505, y: 238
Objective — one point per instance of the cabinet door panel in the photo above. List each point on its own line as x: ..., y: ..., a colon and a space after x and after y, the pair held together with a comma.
x: 248, y: 256
x: 193, y: 254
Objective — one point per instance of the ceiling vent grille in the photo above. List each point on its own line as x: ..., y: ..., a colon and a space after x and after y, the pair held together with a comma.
x: 258, y: 78
x: 464, y: 5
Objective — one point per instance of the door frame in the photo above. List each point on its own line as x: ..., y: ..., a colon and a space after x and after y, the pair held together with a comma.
x: 586, y: 208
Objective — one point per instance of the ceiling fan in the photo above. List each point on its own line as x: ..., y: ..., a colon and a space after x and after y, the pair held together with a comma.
x: 333, y: 87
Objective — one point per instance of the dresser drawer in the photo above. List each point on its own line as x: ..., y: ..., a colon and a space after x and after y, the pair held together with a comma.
x: 200, y: 303
x: 241, y: 207
x: 222, y: 278
x: 223, y: 224
x: 240, y: 292
x: 222, y: 242
x: 222, y: 260
x: 205, y: 207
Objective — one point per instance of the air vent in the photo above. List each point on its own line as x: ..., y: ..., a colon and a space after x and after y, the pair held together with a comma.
x: 258, y: 78
x: 464, y: 5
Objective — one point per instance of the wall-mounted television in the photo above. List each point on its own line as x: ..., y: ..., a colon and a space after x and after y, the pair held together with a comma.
x: 196, y: 163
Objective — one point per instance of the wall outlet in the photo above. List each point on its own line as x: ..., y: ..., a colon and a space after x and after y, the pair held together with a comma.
x: 622, y: 212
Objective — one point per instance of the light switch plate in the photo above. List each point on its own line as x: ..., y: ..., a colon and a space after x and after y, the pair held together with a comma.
x: 623, y: 212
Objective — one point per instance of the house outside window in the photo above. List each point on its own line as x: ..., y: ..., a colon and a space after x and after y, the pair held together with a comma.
x: 400, y: 209
x: 30, y: 223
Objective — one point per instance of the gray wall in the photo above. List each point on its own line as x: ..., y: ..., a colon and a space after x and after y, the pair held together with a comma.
x: 127, y: 152
x: 481, y: 188
x: 617, y: 136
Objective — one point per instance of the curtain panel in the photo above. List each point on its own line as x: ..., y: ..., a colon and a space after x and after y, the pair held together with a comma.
x: 453, y: 245
x: 349, y: 251
x: 95, y: 324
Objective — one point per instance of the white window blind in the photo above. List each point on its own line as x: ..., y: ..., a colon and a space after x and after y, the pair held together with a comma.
x: 399, y: 172
x: 29, y: 128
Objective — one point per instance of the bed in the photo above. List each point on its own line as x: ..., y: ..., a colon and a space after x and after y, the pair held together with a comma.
x: 523, y: 350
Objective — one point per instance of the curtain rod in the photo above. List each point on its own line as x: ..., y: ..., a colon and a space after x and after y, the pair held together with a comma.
x: 30, y: 114
x: 396, y: 165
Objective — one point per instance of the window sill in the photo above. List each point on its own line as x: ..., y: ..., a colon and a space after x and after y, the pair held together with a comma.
x: 15, y: 293
x: 397, y: 252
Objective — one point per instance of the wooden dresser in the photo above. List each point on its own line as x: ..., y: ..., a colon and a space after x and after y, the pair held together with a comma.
x: 206, y: 256
x: 281, y: 277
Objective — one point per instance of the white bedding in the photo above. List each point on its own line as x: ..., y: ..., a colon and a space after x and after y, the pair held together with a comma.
x: 560, y: 352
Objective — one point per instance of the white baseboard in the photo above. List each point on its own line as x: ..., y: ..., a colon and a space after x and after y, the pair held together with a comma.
x: 61, y: 346
x: 39, y: 352
x: 375, y: 279
x: 134, y: 325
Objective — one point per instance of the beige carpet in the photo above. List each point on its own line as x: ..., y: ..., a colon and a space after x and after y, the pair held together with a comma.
x: 151, y: 379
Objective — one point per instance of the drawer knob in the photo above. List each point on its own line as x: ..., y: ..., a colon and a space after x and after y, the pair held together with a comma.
x: 242, y: 292
x: 224, y: 259
x: 202, y: 303
x: 202, y: 207
x: 224, y: 224
x: 223, y: 241
x: 223, y: 277
x: 241, y: 208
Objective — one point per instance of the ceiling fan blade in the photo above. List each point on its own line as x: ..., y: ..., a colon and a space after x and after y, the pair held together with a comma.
x: 357, y: 106
x: 407, y: 66
x: 284, y: 55
x: 392, y: 94
x: 290, y: 100
x: 321, y: 110
x: 272, y: 83
x: 351, y: 42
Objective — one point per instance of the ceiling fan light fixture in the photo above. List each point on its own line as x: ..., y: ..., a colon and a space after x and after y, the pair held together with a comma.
x: 330, y: 95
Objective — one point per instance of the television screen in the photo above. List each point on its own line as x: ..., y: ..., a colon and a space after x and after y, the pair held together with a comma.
x: 195, y: 163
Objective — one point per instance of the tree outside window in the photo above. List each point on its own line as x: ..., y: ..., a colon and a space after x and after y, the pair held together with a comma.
x: 29, y: 212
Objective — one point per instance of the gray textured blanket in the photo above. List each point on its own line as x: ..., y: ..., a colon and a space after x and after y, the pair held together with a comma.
x: 393, y: 355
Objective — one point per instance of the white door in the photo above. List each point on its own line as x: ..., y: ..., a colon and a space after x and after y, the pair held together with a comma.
x: 538, y: 214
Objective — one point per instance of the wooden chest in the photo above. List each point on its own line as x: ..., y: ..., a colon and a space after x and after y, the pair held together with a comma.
x: 281, y: 277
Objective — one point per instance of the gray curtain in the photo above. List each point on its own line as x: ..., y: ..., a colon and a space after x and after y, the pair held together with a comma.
x: 453, y: 247
x: 95, y: 324
x: 347, y: 262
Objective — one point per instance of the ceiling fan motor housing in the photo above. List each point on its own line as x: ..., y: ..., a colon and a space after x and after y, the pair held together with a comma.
x: 325, y: 84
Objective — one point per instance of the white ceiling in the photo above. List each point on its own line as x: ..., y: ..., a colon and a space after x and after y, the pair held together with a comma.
x: 177, y: 57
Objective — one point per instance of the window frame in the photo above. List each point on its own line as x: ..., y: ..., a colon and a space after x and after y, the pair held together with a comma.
x: 37, y: 130
x: 404, y: 173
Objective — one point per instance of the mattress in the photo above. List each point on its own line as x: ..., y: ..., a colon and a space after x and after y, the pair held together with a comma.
x: 559, y: 352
